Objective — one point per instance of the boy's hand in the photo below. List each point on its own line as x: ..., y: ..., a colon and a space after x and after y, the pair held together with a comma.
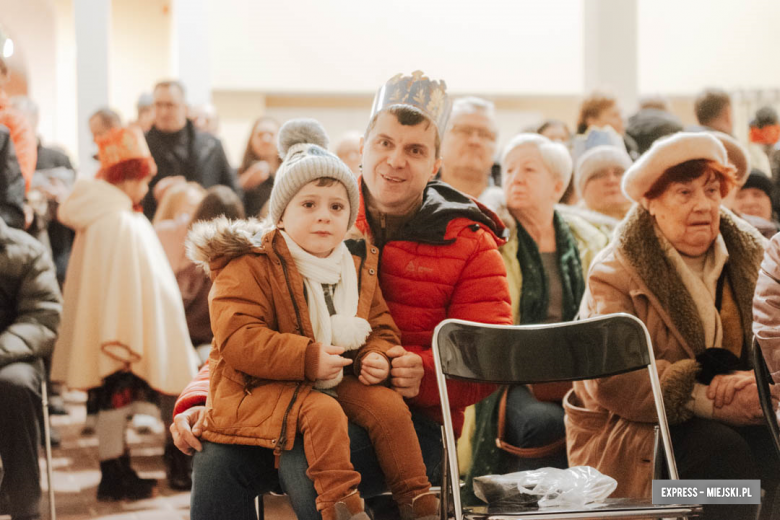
x: 331, y: 362
x: 374, y: 369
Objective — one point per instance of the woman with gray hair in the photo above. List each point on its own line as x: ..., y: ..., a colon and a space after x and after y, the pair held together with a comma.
x: 544, y: 259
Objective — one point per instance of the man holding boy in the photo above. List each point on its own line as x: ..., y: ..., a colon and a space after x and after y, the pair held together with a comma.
x: 439, y: 259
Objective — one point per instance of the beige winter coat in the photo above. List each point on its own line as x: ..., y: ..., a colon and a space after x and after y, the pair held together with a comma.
x: 609, y: 422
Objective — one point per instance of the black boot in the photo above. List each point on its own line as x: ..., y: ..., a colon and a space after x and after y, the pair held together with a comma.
x: 178, y: 467
x: 119, y: 481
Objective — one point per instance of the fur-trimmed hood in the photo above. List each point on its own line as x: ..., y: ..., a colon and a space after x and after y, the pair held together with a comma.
x: 221, y: 240
x: 638, y: 244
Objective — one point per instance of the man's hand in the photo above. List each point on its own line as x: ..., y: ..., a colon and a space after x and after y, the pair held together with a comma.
x: 407, y: 371
x: 374, y: 369
x: 744, y: 410
x: 255, y: 175
x: 722, y: 388
x: 331, y: 362
x: 165, y: 183
x: 187, y: 427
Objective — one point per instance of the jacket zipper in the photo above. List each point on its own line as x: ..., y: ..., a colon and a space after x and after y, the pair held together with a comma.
x: 283, y: 433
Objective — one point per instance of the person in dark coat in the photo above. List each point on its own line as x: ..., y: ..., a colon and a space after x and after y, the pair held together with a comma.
x: 180, y: 150
x: 29, y: 319
x: 11, y: 183
x: 653, y: 121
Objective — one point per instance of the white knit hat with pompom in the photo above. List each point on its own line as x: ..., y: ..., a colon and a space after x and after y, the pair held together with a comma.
x: 303, y: 147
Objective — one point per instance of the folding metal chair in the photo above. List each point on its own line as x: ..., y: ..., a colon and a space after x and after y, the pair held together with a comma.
x: 763, y: 380
x: 510, y: 354
x: 47, y: 443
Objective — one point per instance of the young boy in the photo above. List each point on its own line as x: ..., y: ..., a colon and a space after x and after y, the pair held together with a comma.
x: 288, y: 299
x: 124, y: 336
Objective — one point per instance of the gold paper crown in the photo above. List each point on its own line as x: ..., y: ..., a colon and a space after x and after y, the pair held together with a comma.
x: 418, y: 91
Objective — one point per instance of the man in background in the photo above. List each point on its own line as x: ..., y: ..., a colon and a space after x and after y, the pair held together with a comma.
x: 29, y: 318
x: 713, y: 110
x: 469, y: 146
x: 180, y: 150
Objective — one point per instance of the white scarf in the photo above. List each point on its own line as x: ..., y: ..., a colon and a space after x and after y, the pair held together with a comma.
x: 343, y: 329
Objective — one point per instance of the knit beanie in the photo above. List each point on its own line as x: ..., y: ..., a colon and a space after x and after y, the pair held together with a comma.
x: 596, y: 150
x: 761, y: 181
x: 303, y: 147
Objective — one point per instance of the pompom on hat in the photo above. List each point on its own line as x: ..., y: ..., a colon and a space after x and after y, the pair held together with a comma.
x: 666, y: 153
x: 124, y: 155
x: 303, y: 147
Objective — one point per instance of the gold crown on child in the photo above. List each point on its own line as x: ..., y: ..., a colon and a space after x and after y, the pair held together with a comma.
x: 418, y: 91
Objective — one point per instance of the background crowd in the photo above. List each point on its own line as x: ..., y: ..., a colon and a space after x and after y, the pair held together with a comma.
x: 570, y: 222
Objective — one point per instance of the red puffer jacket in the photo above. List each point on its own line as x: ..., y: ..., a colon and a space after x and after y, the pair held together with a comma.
x: 447, y: 266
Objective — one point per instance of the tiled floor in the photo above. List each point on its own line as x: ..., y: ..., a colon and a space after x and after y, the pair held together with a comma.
x: 77, y: 474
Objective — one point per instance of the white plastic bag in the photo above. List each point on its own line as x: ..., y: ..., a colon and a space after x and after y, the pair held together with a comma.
x: 549, y: 487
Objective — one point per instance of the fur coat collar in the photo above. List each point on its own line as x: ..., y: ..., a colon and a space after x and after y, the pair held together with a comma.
x: 638, y: 244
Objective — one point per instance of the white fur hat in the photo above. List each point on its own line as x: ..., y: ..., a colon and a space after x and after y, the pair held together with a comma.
x: 667, y: 152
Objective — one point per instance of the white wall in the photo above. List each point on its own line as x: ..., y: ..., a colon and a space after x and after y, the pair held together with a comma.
x: 140, y: 51
x: 687, y: 45
x: 32, y: 25
x: 352, y: 46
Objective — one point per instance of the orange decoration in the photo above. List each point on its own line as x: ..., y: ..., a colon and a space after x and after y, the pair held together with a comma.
x: 768, y: 135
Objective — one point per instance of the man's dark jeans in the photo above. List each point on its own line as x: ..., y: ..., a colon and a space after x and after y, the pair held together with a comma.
x: 228, y: 477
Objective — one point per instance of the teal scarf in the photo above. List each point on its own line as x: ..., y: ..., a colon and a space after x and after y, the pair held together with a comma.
x: 486, y: 456
x: 536, y: 295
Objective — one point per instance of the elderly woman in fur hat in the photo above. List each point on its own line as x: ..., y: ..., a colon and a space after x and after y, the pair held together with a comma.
x: 546, y: 257
x: 687, y: 268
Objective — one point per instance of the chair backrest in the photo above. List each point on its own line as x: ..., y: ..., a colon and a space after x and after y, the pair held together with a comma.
x: 763, y: 380
x: 514, y: 354
x: 503, y: 354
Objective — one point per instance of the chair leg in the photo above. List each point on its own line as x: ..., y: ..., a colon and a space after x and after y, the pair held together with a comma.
x: 658, y: 456
x: 47, y: 439
x: 260, y: 507
x: 444, y: 499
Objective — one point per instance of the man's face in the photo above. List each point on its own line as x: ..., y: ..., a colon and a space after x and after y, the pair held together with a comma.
x: 470, y: 142
x: 170, y: 111
x: 398, y: 161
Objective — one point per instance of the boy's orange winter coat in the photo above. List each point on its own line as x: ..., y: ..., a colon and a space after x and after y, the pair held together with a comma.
x: 263, y: 358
